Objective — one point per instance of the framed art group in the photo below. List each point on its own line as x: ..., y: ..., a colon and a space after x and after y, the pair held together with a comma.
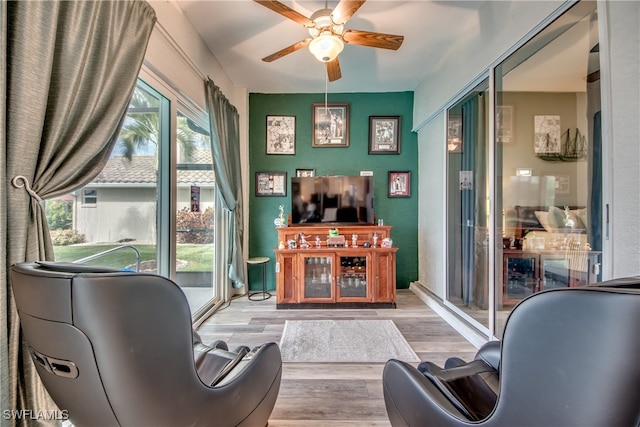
x: 329, y: 128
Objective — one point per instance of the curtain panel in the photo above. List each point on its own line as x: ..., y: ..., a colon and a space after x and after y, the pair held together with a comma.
x: 225, y: 146
x: 69, y: 70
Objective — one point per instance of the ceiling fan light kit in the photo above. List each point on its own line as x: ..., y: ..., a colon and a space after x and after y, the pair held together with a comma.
x: 328, y: 36
x: 326, y: 47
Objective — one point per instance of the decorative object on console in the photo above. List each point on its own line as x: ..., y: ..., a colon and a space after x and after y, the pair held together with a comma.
x: 384, y: 135
x: 281, y: 135
x: 336, y: 241
x: 303, y: 242
x: 280, y: 221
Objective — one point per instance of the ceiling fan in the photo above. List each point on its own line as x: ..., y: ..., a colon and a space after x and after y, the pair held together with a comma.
x: 328, y: 35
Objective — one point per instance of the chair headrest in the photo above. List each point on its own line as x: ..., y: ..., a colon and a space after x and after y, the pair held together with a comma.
x: 70, y: 267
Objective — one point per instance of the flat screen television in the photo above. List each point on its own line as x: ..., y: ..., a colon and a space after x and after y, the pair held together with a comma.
x: 332, y: 200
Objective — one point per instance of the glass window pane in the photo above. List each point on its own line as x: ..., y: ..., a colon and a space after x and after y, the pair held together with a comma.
x: 122, y: 199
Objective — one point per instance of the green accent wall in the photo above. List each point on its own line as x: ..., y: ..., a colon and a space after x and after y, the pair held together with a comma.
x: 400, y: 213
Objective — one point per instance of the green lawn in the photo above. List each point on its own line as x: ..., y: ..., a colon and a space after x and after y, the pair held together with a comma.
x: 198, y: 257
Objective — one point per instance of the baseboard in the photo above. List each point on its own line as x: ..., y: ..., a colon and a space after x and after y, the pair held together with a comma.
x: 467, y: 331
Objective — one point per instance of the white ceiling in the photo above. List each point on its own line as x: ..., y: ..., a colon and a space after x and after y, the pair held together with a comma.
x: 241, y: 32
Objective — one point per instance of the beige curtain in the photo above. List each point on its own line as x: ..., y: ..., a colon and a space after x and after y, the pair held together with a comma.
x: 69, y: 70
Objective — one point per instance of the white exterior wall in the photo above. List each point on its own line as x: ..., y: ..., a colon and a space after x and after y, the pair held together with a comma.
x: 119, y: 214
x: 501, y: 26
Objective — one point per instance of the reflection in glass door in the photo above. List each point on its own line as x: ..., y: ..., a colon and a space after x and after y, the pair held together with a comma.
x: 548, y: 148
x: 468, y: 207
x: 545, y: 174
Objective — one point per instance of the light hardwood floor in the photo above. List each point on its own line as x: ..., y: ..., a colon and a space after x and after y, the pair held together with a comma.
x: 334, y: 394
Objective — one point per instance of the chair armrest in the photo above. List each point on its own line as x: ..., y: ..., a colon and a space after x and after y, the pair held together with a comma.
x: 412, y: 399
x: 471, y: 388
x: 490, y: 354
x: 214, y: 364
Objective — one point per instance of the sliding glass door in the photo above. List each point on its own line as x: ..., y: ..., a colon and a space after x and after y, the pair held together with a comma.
x: 467, y: 205
x: 152, y: 207
x: 524, y: 210
x: 548, y: 161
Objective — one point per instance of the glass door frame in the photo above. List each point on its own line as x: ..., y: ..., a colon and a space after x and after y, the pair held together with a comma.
x: 487, y: 331
x: 167, y: 193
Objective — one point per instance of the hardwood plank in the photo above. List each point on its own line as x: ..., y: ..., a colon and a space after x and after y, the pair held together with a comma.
x: 334, y: 394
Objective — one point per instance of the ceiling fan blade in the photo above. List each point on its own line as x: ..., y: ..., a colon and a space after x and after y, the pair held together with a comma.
x: 366, y: 38
x: 333, y: 70
x: 345, y: 10
x: 286, y: 11
x: 287, y: 50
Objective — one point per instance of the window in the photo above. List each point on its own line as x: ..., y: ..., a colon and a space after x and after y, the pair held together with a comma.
x: 89, y: 197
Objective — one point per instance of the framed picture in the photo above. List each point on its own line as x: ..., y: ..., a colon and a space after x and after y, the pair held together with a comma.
x: 281, y: 134
x: 546, y: 135
x: 454, y: 134
x: 384, y: 135
x: 271, y: 183
x: 302, y: 173
x: 399, y: 184
x: 563, y: 184
x: 465, y: 180
x: 504, y: 124
x: 330, y: 125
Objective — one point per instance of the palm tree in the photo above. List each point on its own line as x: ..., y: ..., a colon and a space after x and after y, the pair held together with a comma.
x: 142, y: 128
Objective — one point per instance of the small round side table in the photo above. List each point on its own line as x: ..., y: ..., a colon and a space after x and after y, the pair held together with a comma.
x: 265, y: 295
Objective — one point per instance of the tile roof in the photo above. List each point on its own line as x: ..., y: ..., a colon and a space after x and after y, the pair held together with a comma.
x: 142, y: 170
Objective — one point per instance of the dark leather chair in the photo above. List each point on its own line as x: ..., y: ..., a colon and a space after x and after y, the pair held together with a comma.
x: 117, y: 349
x: 569, y: 357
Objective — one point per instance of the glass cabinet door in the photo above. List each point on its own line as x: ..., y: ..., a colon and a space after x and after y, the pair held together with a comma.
x: 554, y: 272
x: 318, y: 276
x: 352, y: 277
x: 521, y: 279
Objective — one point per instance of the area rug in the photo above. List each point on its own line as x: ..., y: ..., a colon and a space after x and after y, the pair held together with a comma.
x: 344, y: 341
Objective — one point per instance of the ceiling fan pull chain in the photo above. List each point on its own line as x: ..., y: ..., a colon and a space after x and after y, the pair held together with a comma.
x: 326, y: 90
